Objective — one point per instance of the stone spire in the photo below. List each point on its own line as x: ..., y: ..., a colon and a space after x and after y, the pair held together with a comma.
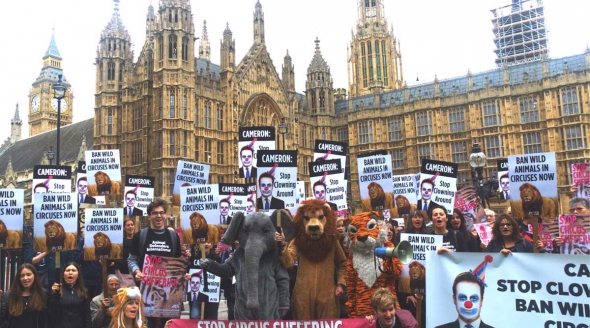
x: 16, y: 124
x: 205, y: 46
x: 258, y: 23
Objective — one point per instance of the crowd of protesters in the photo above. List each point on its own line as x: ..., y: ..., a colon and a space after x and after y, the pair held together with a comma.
x: 39, y: 299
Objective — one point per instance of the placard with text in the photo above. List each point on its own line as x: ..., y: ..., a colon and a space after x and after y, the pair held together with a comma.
x: 503, y: 179
x: 55, y: 222
x: 103, y: 235
x: 413, y: 273
x: 51, y: 179
x: 233, y: 198
x: 103, y: 170
x: 375, y: 182
x: 251, y: 140
x: 277, y: 179
x: 404, y: 191
x: 327, y: 149
x: 581, y: 179
x: 11, y: 218
x: 327, y: 183
x: 199, y: 206
x: 438, y: 184
x: 139, y: 193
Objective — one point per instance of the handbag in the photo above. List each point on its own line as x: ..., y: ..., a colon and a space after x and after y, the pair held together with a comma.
x: 125, y: 278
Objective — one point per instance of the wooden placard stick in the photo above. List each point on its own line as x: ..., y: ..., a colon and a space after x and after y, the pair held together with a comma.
x: 204, y: 273
x: 535, y: 225
x: 57, y: 266
x: 105, y: 287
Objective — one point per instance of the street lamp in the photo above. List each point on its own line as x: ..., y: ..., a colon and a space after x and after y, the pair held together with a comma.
x: 59, y: 93
x: 283, y: 129
x: 50, y: 155
x: 477, y: 160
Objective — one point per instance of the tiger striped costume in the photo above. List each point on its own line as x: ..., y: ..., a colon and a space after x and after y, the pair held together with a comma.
x: 365, y: 232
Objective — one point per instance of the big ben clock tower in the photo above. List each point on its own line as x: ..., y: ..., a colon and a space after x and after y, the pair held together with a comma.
x: 42, y: 105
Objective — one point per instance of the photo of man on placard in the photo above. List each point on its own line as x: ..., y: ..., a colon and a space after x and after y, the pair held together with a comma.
x: 224, y: 217
x: 319, y: 192
x: 247, y: 159
x: 425, y: 203
x: 505, y: 185
x: 266, y: 201
x: 83, y: 197
x: 130, y: 209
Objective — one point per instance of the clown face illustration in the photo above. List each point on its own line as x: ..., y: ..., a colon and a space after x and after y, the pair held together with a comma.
x: 266, y: 186
x: 246, y: 157
x: 386, y: 214
x: 249, y: 207
x: 319, y: 192
x: 426, y: 190
x: 130, y: 199
x: 195, y: 284
x: 82, y: 187
x: 505, y: 184
x: 224, y: 208
x: 468, y: 301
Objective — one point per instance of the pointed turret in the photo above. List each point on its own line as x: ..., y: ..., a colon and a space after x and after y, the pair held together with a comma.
x: 16, y: 125
x: 204, y: 46
x: 288, y: 77
x: 228, y: 51
x: 52, y: 51
x: 320, y: 93
x: 258, y: 23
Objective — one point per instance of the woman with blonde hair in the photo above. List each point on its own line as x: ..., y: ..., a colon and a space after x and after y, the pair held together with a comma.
x: 386, y: 316
x: 129, y: 309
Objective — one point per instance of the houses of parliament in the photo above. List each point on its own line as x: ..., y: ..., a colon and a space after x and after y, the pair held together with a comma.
x: 173, y: 103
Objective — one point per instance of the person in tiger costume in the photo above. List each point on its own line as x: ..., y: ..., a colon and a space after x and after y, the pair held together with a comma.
x: 366, y: 232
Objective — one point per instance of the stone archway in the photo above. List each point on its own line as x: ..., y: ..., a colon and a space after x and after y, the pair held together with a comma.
x: 261, y: 110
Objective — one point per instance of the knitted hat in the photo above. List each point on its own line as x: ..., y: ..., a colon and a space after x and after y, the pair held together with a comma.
x: 124, y: 295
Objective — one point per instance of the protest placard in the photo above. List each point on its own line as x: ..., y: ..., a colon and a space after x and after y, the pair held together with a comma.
x: 513, y: 286
x: 376, y: 182
x: 533, y: 177
x: 581, y: 179
x: 189, y: 174
x: 82, y: 188
x: 468, y: 202
x: 55, y: 222
x: 503, y: 179
x: 438, y: 184
x: 103, y: 237
x: 199, y: 211
x: 277, y: 179
x: 103, y: 169
x: 327, y: 149
x: 161, y: 288
x: 404, y: 190
x: 574, y: 230
x: 484, y: 231
x: 139, y: 193
x: 412, y: 279
x: 232, y: 199
x: 300, y: 191
x: 51, y: 179
x: 11, y: 218
x: 250, y: 141
x: 548, y: 231
x: 327, y: 183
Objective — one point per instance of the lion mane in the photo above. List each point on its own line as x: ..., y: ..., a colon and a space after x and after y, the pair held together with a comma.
x: 417, y: 275
x: 9, y: 239
x: 378, y: 200
x: 57, y: 238
x: 533, y: 201
x: 104, y: 185
x: 403, y: 205
x: 203, y: 230
x: 315, y: 250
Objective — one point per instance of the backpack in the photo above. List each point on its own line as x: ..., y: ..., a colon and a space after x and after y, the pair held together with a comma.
x: 143, y: 236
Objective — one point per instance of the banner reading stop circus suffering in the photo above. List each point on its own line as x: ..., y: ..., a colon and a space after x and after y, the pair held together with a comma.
x: 56, y: 222
x: 277, y: 179
x: 103, y: 237
x: 199, y: 206
x: 327, y: 183
x: 336, y: 323
x: 376, y: 182
x: 525, y: 296
x: 11, y: 218
x: 160, y: 287
x: 438, y: 184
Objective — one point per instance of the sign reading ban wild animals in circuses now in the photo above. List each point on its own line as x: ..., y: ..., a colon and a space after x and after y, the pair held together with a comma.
x: 375, y: 182
x: 438, y: 184
x: 326, y: 149
x: 55, y: 222
x: 50, y: 179
x: 533, y: 181
x: 327, y: 183
x: 277, y: 179
x: 139, y: 193
x: 103, y: 236
x: 103, y: 170
x: 160, y: 288
x: 11, y: 218
x: 251, y: 140
x: 233, y: 198
x: 513, y: 286
x: 405, y: 194
x: 199, y: 206
x: 413, y: 274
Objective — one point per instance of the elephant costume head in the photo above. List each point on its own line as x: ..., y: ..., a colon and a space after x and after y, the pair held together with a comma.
x: 256, y: 234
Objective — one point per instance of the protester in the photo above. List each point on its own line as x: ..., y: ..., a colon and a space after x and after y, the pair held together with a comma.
x: 69, y: 302
x: 452, y: 240
x: 211, y: 308
x: 153, y: 240
x: 120, y: 267
x: 457, y: 223
x: 129, y: 309
x: 90, y: 270
x: 340, y: 226
x: 506, y: 238
x: 416, y: 224
x: 391, y: 227
x: 101, y: 308
x: 580, y: 206
x: 490, y: 217
x: 386, y: 316
x: 24, y: 306
x: 44, y: 262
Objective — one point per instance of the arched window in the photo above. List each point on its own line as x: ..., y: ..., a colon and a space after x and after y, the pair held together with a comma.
x: 111, y: 71
x: 322, y: 99
x: 161, y: 47
x: 172, y: 104
x: 185, y: 48
x: 378, y: 60
x: 184, y: 107
x: 110, y: 123
x: 121, y: 72
x: 172, y: 46
x: 100, y: 72
x: 313, y: 102
x: 176, y: 17
x: 170, y: 17
x: 364, y: 63
x: 384, y: 55
x: 114, y: 44
x: 370, y: 60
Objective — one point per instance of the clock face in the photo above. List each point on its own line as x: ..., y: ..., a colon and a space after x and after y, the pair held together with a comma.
x: 63, y: 106
x: 35, y: 103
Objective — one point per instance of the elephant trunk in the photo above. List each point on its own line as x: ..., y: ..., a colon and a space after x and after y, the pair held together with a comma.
x: 253, y: 255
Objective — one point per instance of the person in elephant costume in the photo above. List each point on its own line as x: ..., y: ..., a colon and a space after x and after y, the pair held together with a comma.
x: 262, y: 284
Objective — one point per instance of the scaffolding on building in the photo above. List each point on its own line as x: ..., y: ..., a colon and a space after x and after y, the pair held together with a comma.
x: 519, y: 32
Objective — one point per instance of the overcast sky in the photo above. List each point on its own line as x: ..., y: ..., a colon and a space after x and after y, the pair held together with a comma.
x: 445, y: 38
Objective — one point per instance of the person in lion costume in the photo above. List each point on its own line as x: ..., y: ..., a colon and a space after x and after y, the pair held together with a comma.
x: 104, y: 185
x: 532, y: 203
x: 9, y: 239
x: 55, y: 239
x: 378, y: 200
x: 365, y: 272
x: 317, y: 249
x: 103, y: 249
x: 200, y: 231
x: 403, y: 205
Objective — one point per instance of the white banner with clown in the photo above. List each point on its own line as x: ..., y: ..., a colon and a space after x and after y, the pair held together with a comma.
x: 327, y: 183
x: 251, y: 140
x: 277, y: 179
x: 438, y: 185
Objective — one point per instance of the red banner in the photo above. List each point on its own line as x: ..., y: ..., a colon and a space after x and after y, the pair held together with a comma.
x: 336, y: 323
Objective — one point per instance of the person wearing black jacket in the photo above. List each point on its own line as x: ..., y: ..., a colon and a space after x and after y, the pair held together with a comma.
x: 452, y: 240
x: 24, y: 306
x: 69, y: 303
x: 457, y: 223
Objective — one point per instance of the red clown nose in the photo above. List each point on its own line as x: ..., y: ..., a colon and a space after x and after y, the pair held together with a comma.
x: 468, y: 304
